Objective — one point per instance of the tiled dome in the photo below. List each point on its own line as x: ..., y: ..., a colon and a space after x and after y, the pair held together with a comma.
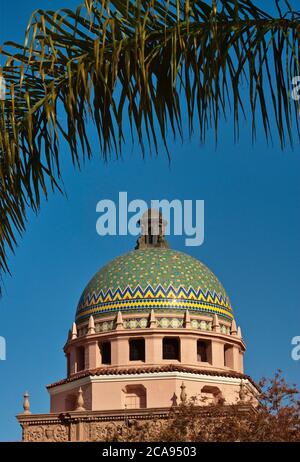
x: 154, y: 278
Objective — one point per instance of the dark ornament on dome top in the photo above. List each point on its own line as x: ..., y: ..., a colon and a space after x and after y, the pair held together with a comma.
x: 153, y: 228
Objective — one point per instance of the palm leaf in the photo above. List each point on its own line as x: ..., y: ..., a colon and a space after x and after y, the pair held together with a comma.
x: 146, y: 61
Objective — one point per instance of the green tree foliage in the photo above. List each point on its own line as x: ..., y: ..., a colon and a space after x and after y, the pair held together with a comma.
x: 275, y: 418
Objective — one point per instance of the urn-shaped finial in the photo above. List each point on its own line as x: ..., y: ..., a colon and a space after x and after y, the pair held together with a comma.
x: 26, y: 403
x: 233, y: 329
x: 242, y: 392
x: 183, y: 395
x: 80, y: 401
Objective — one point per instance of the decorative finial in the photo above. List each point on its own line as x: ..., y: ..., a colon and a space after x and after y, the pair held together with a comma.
x: 183, y: 395
x: 119, y: 321
x: 239, y: 332
x: 216, y: 324
x: 242, y: 393
x: 153, y: 228
x: 233, y: 330
x: 187, y: 319
x: 152, y: 320
x: 80, y: 401
x: 91, y: 326
x: 26, y: 403
x: 74, y: 331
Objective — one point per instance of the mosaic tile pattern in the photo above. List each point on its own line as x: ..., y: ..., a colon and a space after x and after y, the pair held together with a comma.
x: 170, y: 323
x: 154, y: 278
x: 224, y: 329
x: 105, y: 326
x: 136, y: 323
x: 200, y: 324
x: 161, y: 322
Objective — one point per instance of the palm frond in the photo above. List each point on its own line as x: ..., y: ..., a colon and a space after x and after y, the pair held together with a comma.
x: 146, y: 61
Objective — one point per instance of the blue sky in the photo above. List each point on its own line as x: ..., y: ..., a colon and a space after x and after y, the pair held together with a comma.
x: 252, y: 229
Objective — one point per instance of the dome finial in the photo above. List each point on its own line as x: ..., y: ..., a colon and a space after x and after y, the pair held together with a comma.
x: 153, y: 228
x: 152, y: 320
x: 187, y: 319
x: 216, y: 324
x: 233, y: 330
x: 119, y: 321
x: 74, y: 331
x: 91, y: 326
x: 239, y: 333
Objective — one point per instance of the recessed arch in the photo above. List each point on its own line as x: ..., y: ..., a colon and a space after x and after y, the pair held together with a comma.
x: 135, y: 396
x: 211, y: 394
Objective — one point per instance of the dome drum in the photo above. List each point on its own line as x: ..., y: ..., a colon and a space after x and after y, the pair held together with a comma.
x: 162, y: 320
x: 221, y: 344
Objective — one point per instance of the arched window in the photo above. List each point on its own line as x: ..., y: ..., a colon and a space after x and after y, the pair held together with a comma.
x: 80, y: 359
x: 105, y: 351
x: 211, y: 395
x: 135, y: 397
x: 228, y: 356
x: 68, y: 364
x: 137, y: 349
x: 171, y: 348
x: 70, y: 402
x: 204, y: 351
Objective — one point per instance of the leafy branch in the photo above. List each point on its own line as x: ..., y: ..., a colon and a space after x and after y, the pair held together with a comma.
x: 148, y: 62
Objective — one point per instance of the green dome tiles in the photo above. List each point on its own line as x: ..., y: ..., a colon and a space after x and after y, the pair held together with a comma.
x: 156, y: 278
